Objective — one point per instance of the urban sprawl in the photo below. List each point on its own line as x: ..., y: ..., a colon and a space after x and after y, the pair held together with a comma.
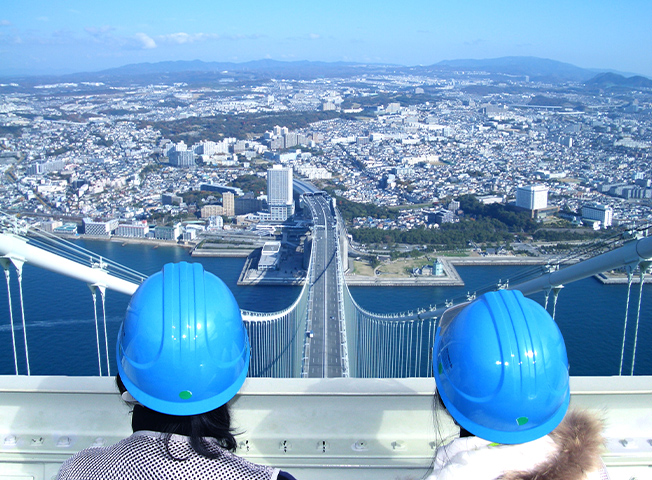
x: 91, y: 155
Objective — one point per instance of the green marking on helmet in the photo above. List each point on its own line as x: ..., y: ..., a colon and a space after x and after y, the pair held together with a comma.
x: 185, y: 395
x: 522, y: 421
x: 440, y: 368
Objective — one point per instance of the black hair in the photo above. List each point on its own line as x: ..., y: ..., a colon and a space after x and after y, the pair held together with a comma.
x: 438, y: 405
x: 205, y: 430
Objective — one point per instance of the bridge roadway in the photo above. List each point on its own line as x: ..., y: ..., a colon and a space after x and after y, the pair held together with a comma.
x: 324, y: 355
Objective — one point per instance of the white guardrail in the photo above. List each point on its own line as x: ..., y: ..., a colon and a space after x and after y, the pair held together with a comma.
x: 314, y: 428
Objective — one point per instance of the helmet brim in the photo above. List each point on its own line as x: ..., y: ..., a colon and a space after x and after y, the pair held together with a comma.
x: 476, y: 408
x: 512, y: 437
x: 188, y: 407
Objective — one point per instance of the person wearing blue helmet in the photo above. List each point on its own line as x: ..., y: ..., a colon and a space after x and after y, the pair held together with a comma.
x: 182, y: 354
x: 501, y: 371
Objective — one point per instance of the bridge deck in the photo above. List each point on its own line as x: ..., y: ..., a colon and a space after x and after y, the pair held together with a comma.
x: 325, y: 351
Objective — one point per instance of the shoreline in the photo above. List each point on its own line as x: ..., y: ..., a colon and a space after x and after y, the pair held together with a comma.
x: 222, y: 252
x: 450, y: 279
x: 609, y: 278
x: 155, y: 243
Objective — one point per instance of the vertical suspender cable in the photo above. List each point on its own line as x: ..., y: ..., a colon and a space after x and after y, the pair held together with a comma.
x: 545, y: 305
x: 369, y: 329
x: 401, y: 350
x: 393, y: 341
x: 395, y: 349
x: 372, y: 360
x: 19, y: 270
x: 629, y: 289
x: 404, y: 342
x: 102, y: 289
x: 11, y: 312
x: 410, y: 349
x: 97, y: 332
x: 642, y: 268
x: 418, y: 354
x: 555, y: 294
x: 387, y: 354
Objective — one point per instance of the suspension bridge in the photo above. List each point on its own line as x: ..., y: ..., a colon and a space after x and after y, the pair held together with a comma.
x: 332, y: 405
x: 324, y: 333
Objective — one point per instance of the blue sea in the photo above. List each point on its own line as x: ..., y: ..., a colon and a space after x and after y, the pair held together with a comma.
x: 61, y: 325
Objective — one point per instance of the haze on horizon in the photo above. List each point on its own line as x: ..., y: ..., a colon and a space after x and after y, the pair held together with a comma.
x: 56, y: 37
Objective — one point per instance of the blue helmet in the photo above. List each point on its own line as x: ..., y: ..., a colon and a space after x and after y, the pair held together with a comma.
x: 182, y: 348
x: 501, y: 368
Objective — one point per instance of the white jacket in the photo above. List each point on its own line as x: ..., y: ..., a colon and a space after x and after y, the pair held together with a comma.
x: 570, y: 452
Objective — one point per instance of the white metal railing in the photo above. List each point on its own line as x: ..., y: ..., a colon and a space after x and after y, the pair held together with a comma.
x: 314, y: 428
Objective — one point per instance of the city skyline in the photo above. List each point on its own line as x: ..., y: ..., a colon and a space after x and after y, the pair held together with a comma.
x: 54, y: 38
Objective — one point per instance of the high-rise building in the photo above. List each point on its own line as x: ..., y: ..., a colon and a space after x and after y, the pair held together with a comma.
x: 228, y: 202
x: 532, y: 197
x: 290, y: 139
x: 182, y: 158
x: 597, y: 211
x: 279, y: 192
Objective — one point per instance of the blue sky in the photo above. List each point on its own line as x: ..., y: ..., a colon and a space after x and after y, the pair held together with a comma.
x: 50, y: 36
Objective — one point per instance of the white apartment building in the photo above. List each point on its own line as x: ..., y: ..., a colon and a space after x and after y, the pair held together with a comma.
x: 532, y: 197
x: 134, y: 230
x: 597, y: 211
x: 99, y: 228
x: 49, y: 226
x: 215, y: 223
x: 183, y: 158
x: 312, y: 173
x: 279, y: 193
x: 211, y: 148
x: 212, y: 210
x: 167, y: 233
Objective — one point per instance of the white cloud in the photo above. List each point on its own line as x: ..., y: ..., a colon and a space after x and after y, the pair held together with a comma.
x: 4, y: 23
x: 314, y: 36
x: 99, y: 31
x: 146, y: 41
x: 181, y: 38
x: 474, y: 43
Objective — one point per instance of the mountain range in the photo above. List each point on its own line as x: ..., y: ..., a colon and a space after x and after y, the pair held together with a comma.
x: 197, y: 71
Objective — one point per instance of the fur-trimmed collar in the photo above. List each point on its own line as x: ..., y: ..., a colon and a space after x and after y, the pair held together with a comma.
x: 580, y: 443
